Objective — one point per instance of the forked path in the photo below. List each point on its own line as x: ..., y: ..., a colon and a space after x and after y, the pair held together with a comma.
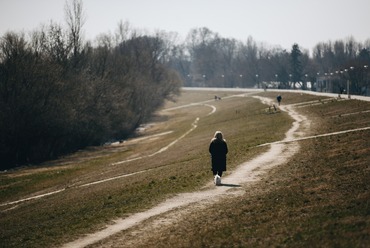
x: 247, y: 172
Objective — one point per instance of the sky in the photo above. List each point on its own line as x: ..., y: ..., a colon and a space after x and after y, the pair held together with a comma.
x: 272, y: 22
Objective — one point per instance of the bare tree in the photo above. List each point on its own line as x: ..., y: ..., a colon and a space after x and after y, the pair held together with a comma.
x: 124, y: 32
x: 75, y: 19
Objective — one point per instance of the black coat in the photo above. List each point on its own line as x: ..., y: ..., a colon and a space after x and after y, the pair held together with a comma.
x: 218, y: 150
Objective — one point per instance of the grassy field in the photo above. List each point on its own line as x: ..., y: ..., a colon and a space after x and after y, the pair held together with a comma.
x: 320, y: 198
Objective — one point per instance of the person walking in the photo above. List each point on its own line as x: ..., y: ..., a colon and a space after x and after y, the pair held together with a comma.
x: 218, y: 150
x: 278, y: 98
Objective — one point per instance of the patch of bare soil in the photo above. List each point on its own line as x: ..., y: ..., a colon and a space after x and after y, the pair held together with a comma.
x: 133, y: 230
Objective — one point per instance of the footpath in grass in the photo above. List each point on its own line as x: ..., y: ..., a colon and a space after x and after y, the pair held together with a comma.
x: 320, y: 198
x: 184, y: 167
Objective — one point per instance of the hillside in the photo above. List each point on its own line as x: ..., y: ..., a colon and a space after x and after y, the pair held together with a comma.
x: 318, y: 196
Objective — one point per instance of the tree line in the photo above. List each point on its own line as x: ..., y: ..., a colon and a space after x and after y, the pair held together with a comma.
x: 207, y: 59
x: 59, y: 94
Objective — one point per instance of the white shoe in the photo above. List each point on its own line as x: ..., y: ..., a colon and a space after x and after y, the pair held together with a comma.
x: 217, y: 180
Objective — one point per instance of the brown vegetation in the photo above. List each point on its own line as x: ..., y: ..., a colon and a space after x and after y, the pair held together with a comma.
x: 320, y: 197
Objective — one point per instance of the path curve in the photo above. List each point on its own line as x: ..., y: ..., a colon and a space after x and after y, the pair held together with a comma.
x: 247, y: 172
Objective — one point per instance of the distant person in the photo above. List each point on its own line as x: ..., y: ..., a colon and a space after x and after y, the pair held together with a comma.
x: 218, y: 150
x: 278, y: 98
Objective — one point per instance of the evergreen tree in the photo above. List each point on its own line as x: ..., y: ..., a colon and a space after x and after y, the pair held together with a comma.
x: 296, y: 65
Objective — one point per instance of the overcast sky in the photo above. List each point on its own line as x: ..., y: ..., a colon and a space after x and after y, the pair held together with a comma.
x: 275, y: 22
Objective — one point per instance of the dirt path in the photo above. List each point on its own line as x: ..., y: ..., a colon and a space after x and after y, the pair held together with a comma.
x: 163, y: 149
x: 162, y: 214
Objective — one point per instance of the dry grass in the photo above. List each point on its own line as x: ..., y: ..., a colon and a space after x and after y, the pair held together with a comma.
x: 183, y: 167
x: 320, y: 198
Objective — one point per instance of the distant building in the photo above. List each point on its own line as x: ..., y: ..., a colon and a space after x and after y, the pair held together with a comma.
x: 328, y: 83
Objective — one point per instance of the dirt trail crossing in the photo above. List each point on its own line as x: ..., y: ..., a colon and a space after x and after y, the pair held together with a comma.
x: 245, y: 173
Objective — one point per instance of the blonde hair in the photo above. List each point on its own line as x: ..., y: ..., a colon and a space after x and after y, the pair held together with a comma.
x: 218, y: 135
